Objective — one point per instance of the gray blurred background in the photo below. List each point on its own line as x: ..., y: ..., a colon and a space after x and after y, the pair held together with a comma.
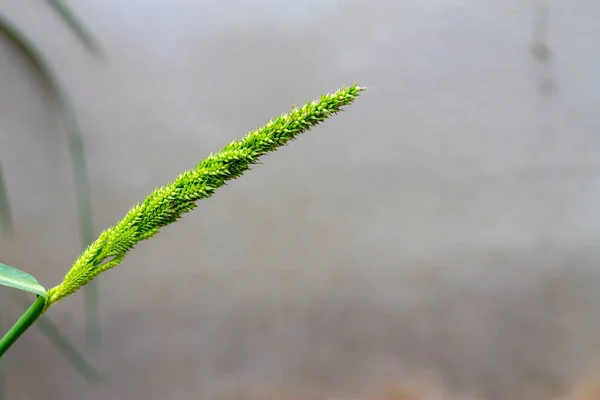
x: 444, y: 228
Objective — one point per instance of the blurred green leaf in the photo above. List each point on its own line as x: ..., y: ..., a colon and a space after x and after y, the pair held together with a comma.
x: 21, y: 280
x: 74, y: 357
x: 77, y: 154
x: 77, y: 26
x: 6, y: 224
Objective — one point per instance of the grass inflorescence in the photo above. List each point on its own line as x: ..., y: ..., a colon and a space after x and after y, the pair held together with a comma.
x: 166, y: 204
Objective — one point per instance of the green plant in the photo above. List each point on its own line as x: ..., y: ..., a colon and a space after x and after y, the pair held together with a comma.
x: 167, y: 204
x: 74, y: 140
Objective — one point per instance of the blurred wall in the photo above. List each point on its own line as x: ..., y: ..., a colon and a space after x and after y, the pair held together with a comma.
x: 445, y: 226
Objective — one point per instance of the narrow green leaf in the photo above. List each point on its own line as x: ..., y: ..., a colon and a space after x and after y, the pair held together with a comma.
x: 68, y: 350
x: 76, y: 152
x: 18, y: 279
x: 6, y: 224
x: 77, y: 26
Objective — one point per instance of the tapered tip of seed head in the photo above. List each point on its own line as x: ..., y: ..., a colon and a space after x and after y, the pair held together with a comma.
x: 354, y: 86
x: 354, y: 89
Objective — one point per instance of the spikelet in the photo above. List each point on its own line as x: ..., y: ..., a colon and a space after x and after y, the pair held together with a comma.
x: 166, y: 204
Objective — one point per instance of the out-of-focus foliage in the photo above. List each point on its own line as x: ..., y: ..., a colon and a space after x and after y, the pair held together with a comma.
x: 36, y: 58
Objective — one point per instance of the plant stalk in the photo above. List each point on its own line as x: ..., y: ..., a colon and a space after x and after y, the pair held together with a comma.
x: 24, y: 323
x: 2, y: 386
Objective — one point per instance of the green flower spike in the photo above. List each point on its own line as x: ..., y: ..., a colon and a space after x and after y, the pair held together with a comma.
x: 166, y: 204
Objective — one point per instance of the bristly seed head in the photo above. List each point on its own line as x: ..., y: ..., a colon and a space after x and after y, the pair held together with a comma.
x: 166, y: 204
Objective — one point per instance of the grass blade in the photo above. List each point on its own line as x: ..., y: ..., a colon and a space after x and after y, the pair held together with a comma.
x: 77, y: 154
x: 77, y: 26
x: 17, y: 279
x: 6, y: 224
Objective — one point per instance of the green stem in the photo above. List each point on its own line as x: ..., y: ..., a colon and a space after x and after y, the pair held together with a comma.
x: 2, y: 386
x: 26, y: 320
